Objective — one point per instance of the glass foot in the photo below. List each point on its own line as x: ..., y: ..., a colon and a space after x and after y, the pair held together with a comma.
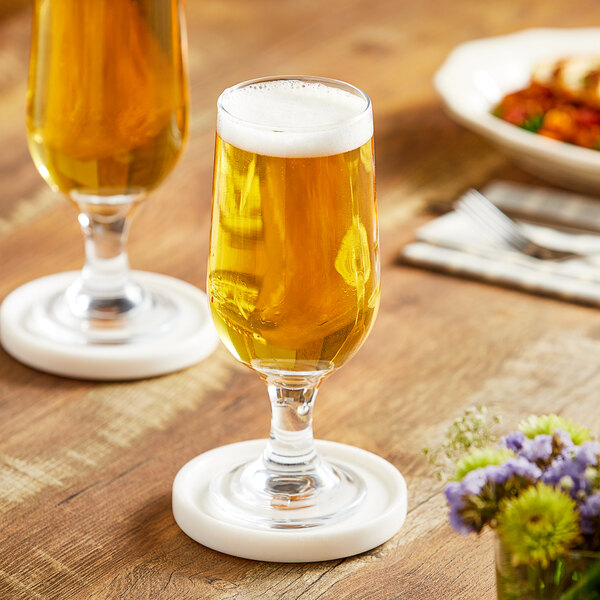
x: 66, y: 317
x: 252, y: 493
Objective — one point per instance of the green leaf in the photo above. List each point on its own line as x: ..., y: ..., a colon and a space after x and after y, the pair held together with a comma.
x: 588, y: 587
x: 533, y: 124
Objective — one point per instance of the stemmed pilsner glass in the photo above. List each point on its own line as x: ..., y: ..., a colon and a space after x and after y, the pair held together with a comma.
x: 107, y: 116
x: 293, y: 279
x: 107, y: 119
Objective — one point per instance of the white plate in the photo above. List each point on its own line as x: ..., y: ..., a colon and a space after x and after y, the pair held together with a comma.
x: 476, y: 76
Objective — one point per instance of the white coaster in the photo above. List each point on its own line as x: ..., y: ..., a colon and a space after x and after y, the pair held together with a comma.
x: 192, y: 339
x: 377, y: 520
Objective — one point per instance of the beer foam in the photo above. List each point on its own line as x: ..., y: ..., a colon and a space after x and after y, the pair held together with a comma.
x: 294, y: 118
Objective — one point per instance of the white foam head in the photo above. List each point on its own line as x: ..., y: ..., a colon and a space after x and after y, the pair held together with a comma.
x: 295, y: 117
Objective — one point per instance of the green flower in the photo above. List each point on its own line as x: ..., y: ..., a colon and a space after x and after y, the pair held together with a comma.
x: 480, y: 457
x: 548, y: 424
x: 538, y: 525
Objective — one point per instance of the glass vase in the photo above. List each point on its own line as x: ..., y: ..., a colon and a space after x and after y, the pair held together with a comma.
x: 573, y: 576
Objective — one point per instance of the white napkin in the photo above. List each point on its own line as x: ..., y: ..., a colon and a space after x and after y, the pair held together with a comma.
x: 451, y: 243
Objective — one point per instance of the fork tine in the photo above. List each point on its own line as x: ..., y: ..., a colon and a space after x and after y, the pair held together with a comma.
x: 476, y: 217
x: 485, y: 205
x: 478, y: 201
x: 488, y: 217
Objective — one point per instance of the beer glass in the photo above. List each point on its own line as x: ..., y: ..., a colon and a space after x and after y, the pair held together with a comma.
x: 107, y: 113
x: 293, y: 278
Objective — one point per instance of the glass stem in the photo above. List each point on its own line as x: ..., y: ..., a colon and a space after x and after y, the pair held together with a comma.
x: 291, y: 446
x: 290, y: 485
x: 105, y: 289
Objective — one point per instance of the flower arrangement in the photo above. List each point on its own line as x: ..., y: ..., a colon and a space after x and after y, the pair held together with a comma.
x: 538, y: 488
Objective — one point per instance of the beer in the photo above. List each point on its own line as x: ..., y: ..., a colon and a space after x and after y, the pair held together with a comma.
x: 293, y: 276
x: 107, y: 99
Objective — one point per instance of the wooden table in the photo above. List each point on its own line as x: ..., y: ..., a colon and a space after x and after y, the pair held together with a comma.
x: 86, y: 468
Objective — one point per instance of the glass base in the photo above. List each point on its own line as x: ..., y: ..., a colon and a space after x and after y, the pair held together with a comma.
x: 253, y: 494
x: 65, y: 317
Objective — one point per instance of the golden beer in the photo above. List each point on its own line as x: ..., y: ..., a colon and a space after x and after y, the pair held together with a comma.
x: 293, y: 276
x: 106, y: 112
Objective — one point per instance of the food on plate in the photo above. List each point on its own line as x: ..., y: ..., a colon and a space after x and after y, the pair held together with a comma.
x: 562, y: 101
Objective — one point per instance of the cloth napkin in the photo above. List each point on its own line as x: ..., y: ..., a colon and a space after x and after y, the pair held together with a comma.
x: 452, y: 244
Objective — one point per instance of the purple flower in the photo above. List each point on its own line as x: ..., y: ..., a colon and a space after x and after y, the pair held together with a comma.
x: 563, y: 439
x: 473, y: 482
x: 539, y: 448
x: 453, y: 492
x: 587, y: 454
x: 589, y: 512
x: 458, y: 497
x: 489, y: 485
x: 513, y: 467
x: 569, y: 469
x: 521, y: 467
x: 514, y: 441
x: 455, y: 496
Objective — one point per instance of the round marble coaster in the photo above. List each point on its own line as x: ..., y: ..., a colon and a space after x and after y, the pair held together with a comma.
x: 376, y: 521
x: 192, y: 338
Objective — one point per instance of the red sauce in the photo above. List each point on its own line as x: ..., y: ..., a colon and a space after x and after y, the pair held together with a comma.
x: 542, y: 110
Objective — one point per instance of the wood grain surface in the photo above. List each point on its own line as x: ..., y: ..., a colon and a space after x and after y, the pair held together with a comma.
x: 86, y: 468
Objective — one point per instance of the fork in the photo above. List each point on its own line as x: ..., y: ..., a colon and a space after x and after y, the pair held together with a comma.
x: 485, y: 214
